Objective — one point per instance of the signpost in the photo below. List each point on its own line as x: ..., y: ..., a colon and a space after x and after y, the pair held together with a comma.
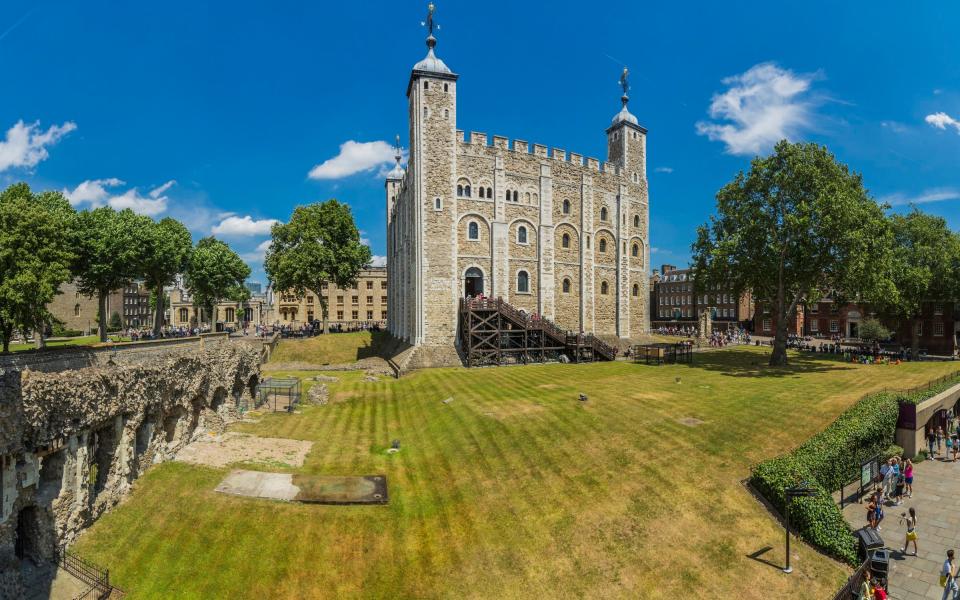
x: 801, y: 491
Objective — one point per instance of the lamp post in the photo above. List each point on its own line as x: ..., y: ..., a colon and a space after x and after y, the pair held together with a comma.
x: 800, y: 491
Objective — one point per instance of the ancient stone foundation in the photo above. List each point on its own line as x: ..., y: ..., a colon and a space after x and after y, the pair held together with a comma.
x: 73, y: 442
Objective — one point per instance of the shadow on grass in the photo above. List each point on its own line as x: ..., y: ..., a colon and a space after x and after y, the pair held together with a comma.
x: 758, y: 556
x: 376, y: 347
x: 746, y: 363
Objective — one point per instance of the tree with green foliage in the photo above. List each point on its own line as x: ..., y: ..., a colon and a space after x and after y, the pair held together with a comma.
x: 166, y: 253
x: 320, y: 245
x: 926, y: 267
x: 116, y: 322
x: 215, y: 273
x: 798, y: 225
x: 111, y: 248
x: 36, y: 240
x: 872, y: 330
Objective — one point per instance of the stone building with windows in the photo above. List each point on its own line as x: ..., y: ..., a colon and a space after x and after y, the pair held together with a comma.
x: 362, y: 305
x: 549, y: 231
x: 78, y: 311
x: 676, y: 302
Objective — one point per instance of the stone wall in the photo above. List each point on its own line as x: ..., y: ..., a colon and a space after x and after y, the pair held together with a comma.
x: 73, y: 442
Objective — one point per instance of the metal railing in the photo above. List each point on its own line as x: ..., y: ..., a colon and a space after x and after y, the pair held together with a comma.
x: 851, y: 589
x: 98, y: 579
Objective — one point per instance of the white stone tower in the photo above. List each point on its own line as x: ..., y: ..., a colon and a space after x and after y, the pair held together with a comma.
x: 432, y: 97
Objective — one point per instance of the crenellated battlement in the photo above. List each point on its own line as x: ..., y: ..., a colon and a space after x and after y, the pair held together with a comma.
x: 482, y: 139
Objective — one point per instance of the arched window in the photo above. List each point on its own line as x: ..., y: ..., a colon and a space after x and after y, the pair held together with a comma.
x: 516, y: 196
x: 566, y: 207
x: 508, y: 196
x: 489, y: 192
x: 437, y: 204
x: 466, y: 191
x: 463, y: 188
x: 603, y: 245
x: 521, y: 235
x: 76, y: 310
x: 636, y: 220
x: 603, y: 213
x: 523, y: 282
x: 481, y: 192
x: 527, y: 197
x: 635, y: 251
x: 446, y: 113
x: 636, y: 290
x: 473, y: 231
x: 445, y: 88
x: 566, y: 285
x: 604, y: 288
x: 565, y: 240
x: 536, y: 197
x: 424, y: 111
x: 459, y: 190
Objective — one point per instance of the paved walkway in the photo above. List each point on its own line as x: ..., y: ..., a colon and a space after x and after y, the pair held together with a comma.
x: 936, y: 497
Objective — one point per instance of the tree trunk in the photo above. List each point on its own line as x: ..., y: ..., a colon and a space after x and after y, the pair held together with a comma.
x: 326, y: 316
x: 102, y: 314
x: 6, y: 332
x: 38, y: 340
x: 914, y: 339
x: 158, y: 307
x: 779, y: 356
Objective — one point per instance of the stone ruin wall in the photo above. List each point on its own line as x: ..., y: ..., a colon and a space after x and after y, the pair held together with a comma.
x: 73, y: 442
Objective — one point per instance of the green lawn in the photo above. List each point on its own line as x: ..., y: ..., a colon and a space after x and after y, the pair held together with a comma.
x: 512, y: 490
x: 334, y: 348
x: 83, y: 340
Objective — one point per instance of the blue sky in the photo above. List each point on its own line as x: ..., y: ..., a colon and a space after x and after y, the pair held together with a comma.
x: 217, y: 113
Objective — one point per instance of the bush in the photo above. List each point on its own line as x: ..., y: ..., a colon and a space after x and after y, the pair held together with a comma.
x: 831, y: 459
x: 59, y: 330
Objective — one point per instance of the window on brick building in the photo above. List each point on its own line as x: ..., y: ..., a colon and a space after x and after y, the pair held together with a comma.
x: 635, y: 250
x: 523, y: 282
x: 566, y: 285
x: 603, y: 245
x: 636, y: 290
x: 604, y: 288
x: 636, y: 220
x: 383, y: 315
x: 354, y: 315
x: 369, y: 315
x: 938, y: 309
x: 521, y: 235
x: 516, y: 196
x: 369, y: 285
x: 339, y: 315
x: 383, y: 299
x: 437, y: 204
x: 489, y: 192
x: 565, y: 240
x: 814, y: 326
x: 76, y: 310
x: 383, y: 285
x: 356, y: 299
x: 481, y: 192
x: 919, y: 328
x: 473, y: 231
x: 766, y: 324
x: 603, y: 213
x: 834, y: 326
x: 566, y: 207
x: 369, y: 299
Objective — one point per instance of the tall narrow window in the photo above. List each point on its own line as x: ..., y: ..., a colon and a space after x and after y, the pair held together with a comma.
x: 636, y: 290
x: 446, y: 114
x: 521, y: 235
x: 603, y: 213
x: 566, y: 207
x: 565, y: 240
x: 459, y: 190
x: 481, y: 192
x: 523, y: 282
x: 603, y: 245
x: 636, y: 220
x: 566, y: 286
x: 489, y: 192
x: 466, y: 191
x: 635, y: 251
x: 426, y: 85
x: 604, y: 288
x: 516, y: 196
x: 446, y: 88
x: 527, y: 197
x: 437, y: 204
x: 424, y: 112
x: 473, y: 231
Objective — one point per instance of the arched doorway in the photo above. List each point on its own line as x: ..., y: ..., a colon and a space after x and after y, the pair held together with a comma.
x: 27, y: 545
x: 473, y: 282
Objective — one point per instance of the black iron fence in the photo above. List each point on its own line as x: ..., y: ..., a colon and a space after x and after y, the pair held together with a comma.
x: 851, y: 589
x: 98, y: 579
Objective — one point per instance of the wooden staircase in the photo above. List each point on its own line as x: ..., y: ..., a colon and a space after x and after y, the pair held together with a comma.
x: 493, y: 332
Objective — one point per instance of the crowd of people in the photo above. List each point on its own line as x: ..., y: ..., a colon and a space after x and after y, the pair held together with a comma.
x: 718, y: 339
x: 313, y: 328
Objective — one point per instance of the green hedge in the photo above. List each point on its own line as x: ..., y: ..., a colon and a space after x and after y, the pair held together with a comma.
x: 831, y: 459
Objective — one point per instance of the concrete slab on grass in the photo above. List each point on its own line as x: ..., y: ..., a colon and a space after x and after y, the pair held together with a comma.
x: 256, y: 484
x: 318, y: 489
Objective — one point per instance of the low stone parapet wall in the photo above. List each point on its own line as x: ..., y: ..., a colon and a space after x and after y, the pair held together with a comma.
x: 911, y: 434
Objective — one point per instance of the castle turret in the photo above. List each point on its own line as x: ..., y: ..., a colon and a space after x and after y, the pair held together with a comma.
x: 627, y: 139
x: 432, y: 95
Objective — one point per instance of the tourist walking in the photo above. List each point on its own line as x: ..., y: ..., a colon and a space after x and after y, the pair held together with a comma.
x: 932, y: 441
x: 948, y: 578
x: 910, y: 518
x: 908, y: 477
x: 939, y: 439
x: 866, y: 592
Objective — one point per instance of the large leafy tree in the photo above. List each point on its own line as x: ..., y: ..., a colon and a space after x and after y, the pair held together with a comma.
x: 798, y: 225
x: 36, y: 237
x: 320, y: 245
x: 167, y: 253
x: 111, y: 249
x: 926, y: 267
x: 215, y: 273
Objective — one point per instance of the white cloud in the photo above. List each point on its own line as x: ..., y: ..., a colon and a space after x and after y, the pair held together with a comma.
x: 246, y: 225
x: 95, y: 193
x: 942, y: 120
x: 257, y: 255
x: 925, y: 197
x: 26, y: 145
x: 894, y: 126
x: 762, y: 106
x: 378, y: 261
x: 355, y: 157
x: 664, y: 169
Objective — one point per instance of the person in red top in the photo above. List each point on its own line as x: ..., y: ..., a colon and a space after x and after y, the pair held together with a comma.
x: 878, y: 592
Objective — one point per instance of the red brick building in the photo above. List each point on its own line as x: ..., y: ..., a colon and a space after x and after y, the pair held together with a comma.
x: 674, y: 301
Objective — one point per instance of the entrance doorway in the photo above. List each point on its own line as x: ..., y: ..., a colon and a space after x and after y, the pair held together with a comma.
x: 26, y: 545
x: 473, y: 282
x: 854, y: 330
